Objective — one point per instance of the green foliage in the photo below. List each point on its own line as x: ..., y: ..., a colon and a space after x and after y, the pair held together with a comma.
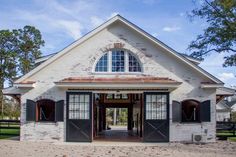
x: 122, y: 114
x: 8, y: 55
x: 233, y: 116
x: 28, y: 47
x: 18, y: 50
x: 220, y: 35
x: 7, y: 58
x: 11, y: 108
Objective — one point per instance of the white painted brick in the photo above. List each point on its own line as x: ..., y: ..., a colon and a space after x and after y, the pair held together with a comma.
x: 80, y: 62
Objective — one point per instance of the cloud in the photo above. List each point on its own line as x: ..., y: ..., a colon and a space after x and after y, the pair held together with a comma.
x: 171, y: 28
x: 96, y: 21
x: 72, y: 28
x: 226, y: 76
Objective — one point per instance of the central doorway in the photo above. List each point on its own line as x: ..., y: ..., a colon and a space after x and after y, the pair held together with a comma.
x: 147, y: 120
x: 117, y: 117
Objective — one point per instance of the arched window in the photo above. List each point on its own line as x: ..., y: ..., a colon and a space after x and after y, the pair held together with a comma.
x: 118, y: 61
x: 134, y: 65
x: 45, y: 110
x: 190, y: 111
x: 102, y: 64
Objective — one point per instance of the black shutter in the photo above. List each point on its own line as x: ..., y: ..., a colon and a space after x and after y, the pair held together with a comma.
x: 205, y: 111
x: 176, y: 111
x: 30, y: 110
x: 59, y: 109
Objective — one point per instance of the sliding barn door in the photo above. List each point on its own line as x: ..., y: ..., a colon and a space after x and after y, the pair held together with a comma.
x: 79, y: 117
x: 156, y: 117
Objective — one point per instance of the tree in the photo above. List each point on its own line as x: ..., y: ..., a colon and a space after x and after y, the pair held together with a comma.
x: 220, y: 35
x: 233, y: 116
x: 18, y: 50
x: 8, y: 57
x: 11, y: 108
x: 29, y: 41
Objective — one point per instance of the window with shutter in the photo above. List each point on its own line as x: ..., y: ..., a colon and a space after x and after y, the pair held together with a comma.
x: 176, y: 111
x: 45, y: 110
x: 60, y: 111
x: 190, y: 110
x: 30, y: 110
x: 205, y: 111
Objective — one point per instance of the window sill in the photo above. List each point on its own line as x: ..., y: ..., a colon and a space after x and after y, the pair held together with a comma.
x: 188, y: 123
x: 46, y: 123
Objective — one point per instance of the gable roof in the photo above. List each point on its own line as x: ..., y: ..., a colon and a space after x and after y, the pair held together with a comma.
x: 132, y: 26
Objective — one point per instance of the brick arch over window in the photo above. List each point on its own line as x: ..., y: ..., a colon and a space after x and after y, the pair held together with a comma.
x: 45, y: 110
x: 118, y: 60
x: 190, y: 110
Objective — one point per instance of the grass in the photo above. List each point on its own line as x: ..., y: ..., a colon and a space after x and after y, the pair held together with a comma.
x: 224, y: 133
x: 5, y: 137
x: 227, y: 133
x: 9, y: 131
x: 233, y: 139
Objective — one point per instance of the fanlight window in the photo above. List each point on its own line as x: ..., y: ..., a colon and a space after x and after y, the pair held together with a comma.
x: 118, y: 61
x: 102, y: 64
x: 133, y: 64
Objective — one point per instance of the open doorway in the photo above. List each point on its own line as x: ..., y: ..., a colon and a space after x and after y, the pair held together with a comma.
x: 117, y: 117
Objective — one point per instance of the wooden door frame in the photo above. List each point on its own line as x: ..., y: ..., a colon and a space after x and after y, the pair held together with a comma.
x: 167, y: 114
x: 90, y: 112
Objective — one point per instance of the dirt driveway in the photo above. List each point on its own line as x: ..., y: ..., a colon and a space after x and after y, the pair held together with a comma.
x: 10, y: 148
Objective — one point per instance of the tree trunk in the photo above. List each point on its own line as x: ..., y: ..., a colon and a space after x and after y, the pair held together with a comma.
x: 1, y: 95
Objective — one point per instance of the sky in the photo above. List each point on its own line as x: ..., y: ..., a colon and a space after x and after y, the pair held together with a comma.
x: 63, y: 21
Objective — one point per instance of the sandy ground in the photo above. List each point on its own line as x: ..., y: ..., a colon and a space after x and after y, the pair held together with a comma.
x: 11, y: 148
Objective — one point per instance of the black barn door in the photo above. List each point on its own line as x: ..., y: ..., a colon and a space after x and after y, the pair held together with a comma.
x: 79, y: 117
x: 156, y: 117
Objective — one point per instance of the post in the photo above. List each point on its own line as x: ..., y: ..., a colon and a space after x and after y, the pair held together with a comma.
x: 114, y: 116
x: 234, y: 129
x: 2, y: 106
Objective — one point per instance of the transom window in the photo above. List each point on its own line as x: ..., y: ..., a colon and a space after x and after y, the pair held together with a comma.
x: 118, y: 61
x: 133, y: 64
x: 102, y: 64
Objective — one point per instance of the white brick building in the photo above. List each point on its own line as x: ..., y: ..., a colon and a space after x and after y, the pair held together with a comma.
x: 169, y: 97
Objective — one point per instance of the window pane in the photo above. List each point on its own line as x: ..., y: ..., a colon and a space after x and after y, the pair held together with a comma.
x: 156, y: 106
x: 134, y: 65
x: 109, y: 96
x: 102, y: 64
x: 118, y: 61
x: 124, y: 96
x: 79, y: 106
x: 117, y: 96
